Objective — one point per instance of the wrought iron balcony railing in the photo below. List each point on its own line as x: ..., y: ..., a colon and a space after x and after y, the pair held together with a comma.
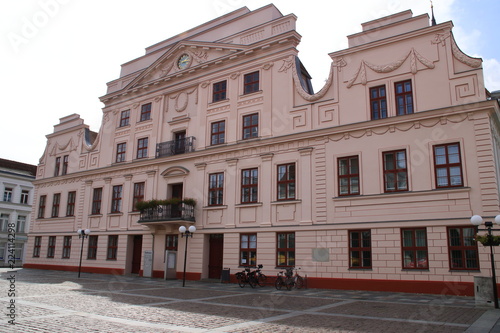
x: 175, y: 147
x: 177, y: 212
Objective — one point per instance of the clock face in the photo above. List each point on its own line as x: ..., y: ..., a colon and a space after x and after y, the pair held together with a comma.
x: 184, y: 61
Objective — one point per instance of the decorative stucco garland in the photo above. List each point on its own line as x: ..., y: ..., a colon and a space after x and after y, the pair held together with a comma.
x: 412, y: 54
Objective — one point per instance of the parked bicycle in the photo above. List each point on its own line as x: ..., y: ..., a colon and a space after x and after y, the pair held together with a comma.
x: 259, y: 276
x: 288, y: 279
x: 245, y: 277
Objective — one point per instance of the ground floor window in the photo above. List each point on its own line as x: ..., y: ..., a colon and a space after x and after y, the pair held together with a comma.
x: 285, y: 249
x: 112, y: 247
x: 360, y: 249
x: 414, y: 248
x: 171, y: 242
x: 66, y: 247
x: 248, y: 249
x: 462, y: 248
x: 37, y: 246
x: 92, y: 249
x: 51, y: 249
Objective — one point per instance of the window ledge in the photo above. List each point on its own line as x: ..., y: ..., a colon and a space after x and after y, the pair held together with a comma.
x: 116, y: 214
x: 214, y: 207
x: 95, y: 215
x: 286, y: 202
x: 250, y: 204
x: 403, y: 193
x: 222, y: 101
x: 258, y: 92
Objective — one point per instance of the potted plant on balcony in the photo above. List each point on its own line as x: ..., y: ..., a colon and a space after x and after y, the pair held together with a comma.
x: 189, y: 201
x: 488, y: 240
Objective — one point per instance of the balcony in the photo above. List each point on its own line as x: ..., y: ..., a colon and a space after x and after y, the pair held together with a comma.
x: 175, y: 147
x: 166, y: 212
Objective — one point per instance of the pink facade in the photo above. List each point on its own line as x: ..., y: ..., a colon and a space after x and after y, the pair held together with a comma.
x: 368, y: 183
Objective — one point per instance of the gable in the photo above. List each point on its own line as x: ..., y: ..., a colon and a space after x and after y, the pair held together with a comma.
x: 194, y: 55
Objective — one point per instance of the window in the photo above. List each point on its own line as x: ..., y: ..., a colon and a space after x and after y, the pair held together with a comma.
x: 21, y: 224
x: 121, y: 149
x: 395, y: 172
x: 462, y: 248
x: 65, y: 164
x: 25, y: 195
x: 92, y: 250
x: 414, y: 248
x: 286, y: 181
x: 285, y: 249
x: 51, y: 249
x: 448, y: 165
x: 142, y: 148
x: 248, y: 250
x: 378, y: 102
x: 138, y: 194
x: 41, y: 206
x: 348, y: 171
x: 116, y: 200
x: 66, y: 247
x: 57, y: 167
x: 404, y: 97
x: 251, y: 83
x: 96, y: 201
x: 70, y: 208
x: 146, y: 112
x: 36, y: 247
x: 219, y: 91
x: 56, y: 200
x: 4, y: 222
x: 249, y: 185
x: 125, y: 118
x: 7, y: 194
x: 217, y: 132
x: 360, y: 249
x: 112, y: 247
x: 216, y: 189
x: 171, y: 242
x: 251, y: 126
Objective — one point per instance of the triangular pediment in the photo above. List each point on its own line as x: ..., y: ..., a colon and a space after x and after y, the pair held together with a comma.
x: 195, y: 54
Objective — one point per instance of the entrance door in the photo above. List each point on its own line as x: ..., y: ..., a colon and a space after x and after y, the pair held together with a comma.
x: 176, y: 193
x: 215, y: 256
x: 136, y: 255
x: 180, y: 142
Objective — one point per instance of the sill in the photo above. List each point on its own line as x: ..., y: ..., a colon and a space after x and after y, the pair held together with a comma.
x: 214, y: 207
x: 123, y: 127
x: 116, y: 214
x: 248, y: 204
x: 257, y: 138
x: 415, y: 270
x: 111, y: 259
x: 475, y: 270
x: 251, y: 93
x: 361, y: 269
x: 402, y: 193
x: 286, y: 202
x: 95, y: 215
x: 218, y: 102
x: 145, y: 121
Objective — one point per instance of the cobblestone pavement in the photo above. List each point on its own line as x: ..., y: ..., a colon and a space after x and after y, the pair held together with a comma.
x: 54, y: 301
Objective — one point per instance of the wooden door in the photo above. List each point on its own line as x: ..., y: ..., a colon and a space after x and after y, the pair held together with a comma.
x: 215, y: 256
x: 136, y: 254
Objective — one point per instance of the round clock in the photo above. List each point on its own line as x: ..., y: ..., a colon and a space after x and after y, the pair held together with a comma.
x: 184, y: 61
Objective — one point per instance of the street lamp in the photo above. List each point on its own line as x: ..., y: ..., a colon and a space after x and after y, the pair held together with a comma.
x: 82, y: 234
x: 477, y: 220
x: 186, y: 233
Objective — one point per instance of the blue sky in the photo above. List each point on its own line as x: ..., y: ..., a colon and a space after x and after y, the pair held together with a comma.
x: 58, y: 55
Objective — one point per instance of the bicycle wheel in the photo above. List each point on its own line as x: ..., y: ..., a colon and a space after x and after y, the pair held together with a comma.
x: 289, y: 284
x: 261, y: 280
x: 278, y: 283
x: 299, y: 282
x: 241, y: 280
x: 252, y: 281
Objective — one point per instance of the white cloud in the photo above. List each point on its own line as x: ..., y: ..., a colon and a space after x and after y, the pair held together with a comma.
x: 491, y: 69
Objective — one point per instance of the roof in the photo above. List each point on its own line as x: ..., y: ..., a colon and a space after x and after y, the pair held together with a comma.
x: 18, y: 166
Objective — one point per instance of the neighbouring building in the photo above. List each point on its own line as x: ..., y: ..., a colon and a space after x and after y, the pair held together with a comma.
x: 16, y: 186
x: 368, y: 183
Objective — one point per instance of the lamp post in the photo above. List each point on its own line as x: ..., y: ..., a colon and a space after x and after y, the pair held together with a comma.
x: 477, y: 220
x: 82, y: 234
x: 186, y: 233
